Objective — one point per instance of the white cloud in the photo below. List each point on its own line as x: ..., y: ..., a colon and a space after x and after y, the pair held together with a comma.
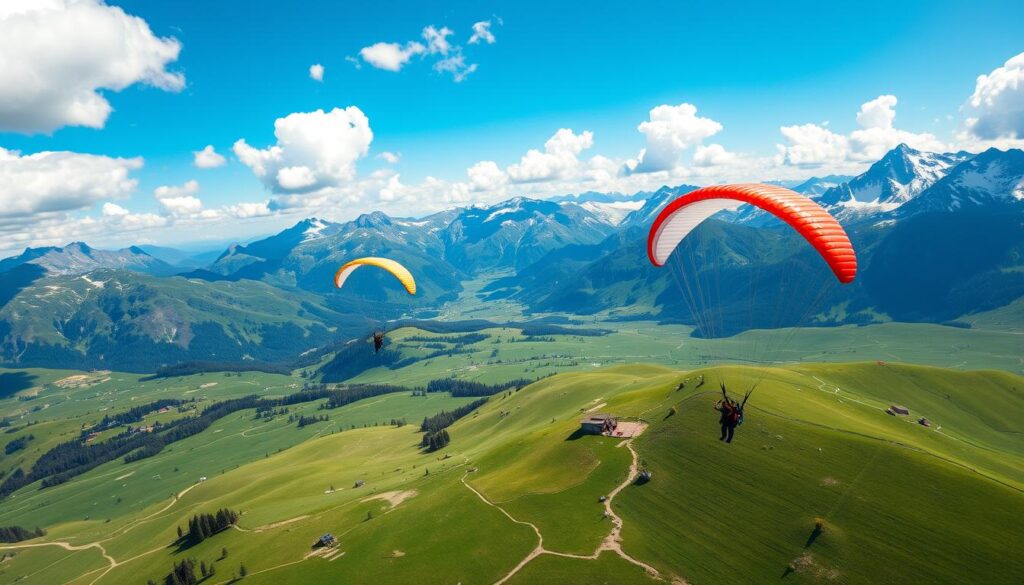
x: 390, y: 157
x: 182, y: 206
x: 61, y: 181
x: 811, y: 145
x: 814, y: 146
x: 113, y: 210
x: 996, y: 108
x: 316, y: 72
x: 119, y: 218
x: 180, y: 201
x: 449, y: 57
x: 207, y: 158
x: 486, y: 176
x: 355, y: 62
x: 712, y: 155
x: 558, y: 161
x: 247, y: 210
x: 56, y: 57
x: 390, y: 56
x: 314, y: 150
x: 456, y: 65
x: 437, y: 39
x: 166, y: 191
x: 669, y: 131
x: 482, y: 33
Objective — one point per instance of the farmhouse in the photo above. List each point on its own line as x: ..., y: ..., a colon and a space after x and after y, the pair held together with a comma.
x: 325, y: 540
x: 596, y: 424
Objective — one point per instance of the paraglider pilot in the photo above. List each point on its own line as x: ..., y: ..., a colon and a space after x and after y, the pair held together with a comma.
x: 731, y: 413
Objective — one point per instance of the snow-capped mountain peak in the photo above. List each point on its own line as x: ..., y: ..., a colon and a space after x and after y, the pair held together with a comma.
x: 898, y: 177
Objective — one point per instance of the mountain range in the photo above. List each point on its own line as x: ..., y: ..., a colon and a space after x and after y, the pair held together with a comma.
x: 938, y: 235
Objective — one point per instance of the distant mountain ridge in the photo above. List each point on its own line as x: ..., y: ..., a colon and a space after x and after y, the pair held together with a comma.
x: 938, y: 236
x: 79, y: 258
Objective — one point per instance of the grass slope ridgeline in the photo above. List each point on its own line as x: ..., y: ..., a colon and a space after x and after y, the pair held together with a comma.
x: 820, y: 485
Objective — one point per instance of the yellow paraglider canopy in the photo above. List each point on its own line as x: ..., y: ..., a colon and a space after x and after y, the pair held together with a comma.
x: 396, y: 269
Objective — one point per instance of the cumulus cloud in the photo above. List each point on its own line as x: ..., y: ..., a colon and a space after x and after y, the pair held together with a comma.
x: 389, y: 157
x: 482, y: 33
x: 669, y: 131
x: 180, y: 201
x: 712, y: 155
x: 314, y: 150
x: 248, y: 210
x: 207, y: 158
x: 316, y: 72
x: 61, y: 181
x: 814, y: 146
x: 167, y: 191
x: 486, y: 176
x: 391, y: 56
x: 46, y: 83
x: 996, y: 108
x: 558, y: 161
x: 119, y: 218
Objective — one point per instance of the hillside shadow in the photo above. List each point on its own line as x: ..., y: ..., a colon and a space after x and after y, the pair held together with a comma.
x: 13, y: 382
x: 17, y: 279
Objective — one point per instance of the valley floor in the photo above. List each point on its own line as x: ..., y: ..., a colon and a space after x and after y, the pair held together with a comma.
x: 820, y: 485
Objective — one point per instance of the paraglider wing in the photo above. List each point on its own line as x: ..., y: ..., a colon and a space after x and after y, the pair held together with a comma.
x: 820, y: 229
x: 396, y: 269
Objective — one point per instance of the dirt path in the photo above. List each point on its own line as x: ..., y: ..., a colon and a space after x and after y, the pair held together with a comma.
x: 73, y: 547
x: 612, y: 542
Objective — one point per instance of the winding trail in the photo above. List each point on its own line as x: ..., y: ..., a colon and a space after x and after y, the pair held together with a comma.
x: 612, y: 542
x: 112, y: 563
x: 73, y: 547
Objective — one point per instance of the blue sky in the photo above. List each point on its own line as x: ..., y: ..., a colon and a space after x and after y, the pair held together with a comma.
x: 752, y: 68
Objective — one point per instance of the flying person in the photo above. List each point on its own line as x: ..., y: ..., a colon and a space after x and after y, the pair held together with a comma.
x: 731, y: 413
x: 397, y: 270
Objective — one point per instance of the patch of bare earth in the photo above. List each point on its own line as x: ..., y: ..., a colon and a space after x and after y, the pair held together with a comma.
x: 829, y: 482
x: 394, y: 498
x: 279, y: 524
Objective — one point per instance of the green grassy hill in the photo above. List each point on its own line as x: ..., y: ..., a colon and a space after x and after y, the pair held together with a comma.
x: 898, y: 502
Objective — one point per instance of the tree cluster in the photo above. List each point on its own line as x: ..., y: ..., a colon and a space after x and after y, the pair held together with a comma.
x: 203, y: 526
x: 304, y: 420
x: 445, y: 418
x: 18, y: 444
x: 435, y: 440
x: 183, y: 573
x: 18, y: 534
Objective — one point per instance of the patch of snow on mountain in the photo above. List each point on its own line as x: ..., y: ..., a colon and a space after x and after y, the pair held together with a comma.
x: 514, y: 206
x: 313, y: 232
x: 614, y: 212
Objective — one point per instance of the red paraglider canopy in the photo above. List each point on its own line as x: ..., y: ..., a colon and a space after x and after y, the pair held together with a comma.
x: 808, y: 218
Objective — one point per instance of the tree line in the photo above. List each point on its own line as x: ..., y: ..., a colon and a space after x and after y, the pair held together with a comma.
x: 136, y: 413
x: 202, y: 367
x: 433, y: 427
x: 75, y: 457
x: 18, y: 533
x: 466, y: 388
